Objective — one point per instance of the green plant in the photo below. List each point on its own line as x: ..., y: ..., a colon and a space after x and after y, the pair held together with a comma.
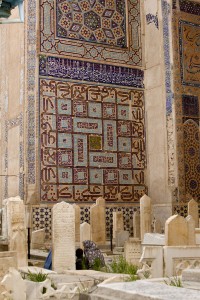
x: 121, y: 266
x: 36, y: 277
x: 97, y: 265
x: 174, y: 281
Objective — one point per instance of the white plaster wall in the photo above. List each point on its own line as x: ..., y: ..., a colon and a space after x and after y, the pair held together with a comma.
x: 11, y: 104
x: 13, y: 161
x: 155, y: 106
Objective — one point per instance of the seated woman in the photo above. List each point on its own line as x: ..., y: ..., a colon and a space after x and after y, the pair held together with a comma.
x: 81, y: 261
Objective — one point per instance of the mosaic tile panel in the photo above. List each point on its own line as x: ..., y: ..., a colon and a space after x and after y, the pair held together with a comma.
x: 189, y: 52
x: 190, y: 7
x: 41, y: 218
x: 81, y: 70
x: 96, y: 21
x: 83, y: 158
x: 31, y: 33
x: 106, y: 31
x: 192, y: 158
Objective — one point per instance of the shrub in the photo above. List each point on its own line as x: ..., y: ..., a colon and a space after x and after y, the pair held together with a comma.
x: 121, y: 266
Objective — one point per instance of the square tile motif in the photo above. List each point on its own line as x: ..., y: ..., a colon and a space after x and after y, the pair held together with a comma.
x: 64, y: 123
x: 110, y: 176
x: 95, y: 142
x: 109, y: 111
x: 80, y: 175
x: 64, y: 106
x: 96, y: 176
x: 64, y: 140
x: 80, y: 108
x: 65, y: 157
x: 94, y: 109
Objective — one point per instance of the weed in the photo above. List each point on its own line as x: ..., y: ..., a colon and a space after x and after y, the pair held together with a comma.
x: 123, y: 267
x: 174, y: 281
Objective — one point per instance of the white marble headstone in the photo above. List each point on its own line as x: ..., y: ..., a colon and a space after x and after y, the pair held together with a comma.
x: 63, y: 237
x: 85, y: 233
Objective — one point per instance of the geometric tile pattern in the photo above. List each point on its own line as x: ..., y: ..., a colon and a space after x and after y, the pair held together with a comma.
x: 41, y: 218
x: 85, y: 156
x: 106, y: 31
x: 192, y: 158
x: 96, y: 21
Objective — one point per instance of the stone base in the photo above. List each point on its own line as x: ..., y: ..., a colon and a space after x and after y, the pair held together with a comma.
x: 142, y: 290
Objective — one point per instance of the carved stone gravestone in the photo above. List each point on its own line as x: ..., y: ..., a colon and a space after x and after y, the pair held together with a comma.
x: 132, y: 251
x: 37, y: 239
x: 176, y: 231
x: 145, y: 215
x: 63, y: 237
x: 136, y: 225
x: 121, y: 237
x: 17, y: 235
x: 98, y: 222
x: 77, y: 222
x: 193, y: 211
x: 191, y: 230
x: 85, y: 233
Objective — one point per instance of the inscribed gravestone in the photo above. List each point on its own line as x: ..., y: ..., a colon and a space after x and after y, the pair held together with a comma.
x: 136, y: 225
x: 118, y: 222
x: 121, y: 237
x: 176, y: 231
x: 85, y: 233
x: 193, y: 211
x: 132, y: 251
x: 37, y: 239
x: 145, y: 215
x: 63, y: 237
x: 17, y: 235
x: 77, y: 222
x: 157, y: 226
x: 98, y: 222
x: 191, y: 230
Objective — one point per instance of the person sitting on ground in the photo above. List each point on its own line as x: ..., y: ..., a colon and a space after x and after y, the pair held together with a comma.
x: 81, y: 261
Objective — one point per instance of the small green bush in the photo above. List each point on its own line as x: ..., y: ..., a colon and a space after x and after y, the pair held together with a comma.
x: 97, y: 265
x: 121, y: 266
x: 36, y: 277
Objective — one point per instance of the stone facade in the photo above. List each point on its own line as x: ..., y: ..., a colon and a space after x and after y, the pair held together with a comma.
x: 90, y: 132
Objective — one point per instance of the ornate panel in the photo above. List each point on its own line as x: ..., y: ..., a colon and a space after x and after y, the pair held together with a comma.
x: 189, y: 52
x: 96, y: 21
x: 187, y: 94
x: 86, y: 154
x: 97, y: 30
x: 192, y: 158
